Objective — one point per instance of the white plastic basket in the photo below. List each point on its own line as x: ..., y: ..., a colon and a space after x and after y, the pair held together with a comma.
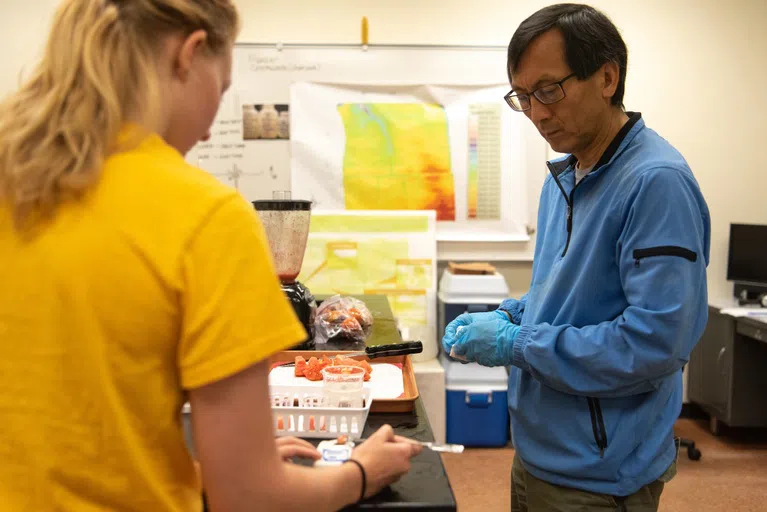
x: 302, y: 411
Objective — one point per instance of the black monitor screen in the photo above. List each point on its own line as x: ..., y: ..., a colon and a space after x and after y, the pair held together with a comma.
x: 747, y: 260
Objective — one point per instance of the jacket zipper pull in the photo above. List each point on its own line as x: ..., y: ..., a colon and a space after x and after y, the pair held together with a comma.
x: 601, y: 452
x: 636, y: 263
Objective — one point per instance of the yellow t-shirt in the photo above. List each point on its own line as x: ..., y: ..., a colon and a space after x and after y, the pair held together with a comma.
x: 157, y: 281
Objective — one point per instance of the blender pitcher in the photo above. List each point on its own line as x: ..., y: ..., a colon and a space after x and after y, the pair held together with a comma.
x: 286, y: 222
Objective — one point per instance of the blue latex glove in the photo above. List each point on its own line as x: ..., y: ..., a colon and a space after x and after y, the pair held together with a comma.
x: 451, y: 331
x: 488, y: 343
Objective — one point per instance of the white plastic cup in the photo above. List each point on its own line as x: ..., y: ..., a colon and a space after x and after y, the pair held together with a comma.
x: 343, y: 385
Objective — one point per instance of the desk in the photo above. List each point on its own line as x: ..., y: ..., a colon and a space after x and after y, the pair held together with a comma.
x: 728, y: 369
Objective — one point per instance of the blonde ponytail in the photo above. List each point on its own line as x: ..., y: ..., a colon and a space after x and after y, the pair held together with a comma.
x: 97, y: 73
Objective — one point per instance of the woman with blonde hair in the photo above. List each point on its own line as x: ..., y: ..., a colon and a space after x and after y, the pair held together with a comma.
x: 132, y: 281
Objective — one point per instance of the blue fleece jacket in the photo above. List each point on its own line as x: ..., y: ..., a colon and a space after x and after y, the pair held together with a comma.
x: 617, y: 302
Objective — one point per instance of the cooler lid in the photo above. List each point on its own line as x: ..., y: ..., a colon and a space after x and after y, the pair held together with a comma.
x: 472, y: 376
x: 468, y: 289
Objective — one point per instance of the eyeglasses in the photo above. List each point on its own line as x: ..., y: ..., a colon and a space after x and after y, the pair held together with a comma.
x: 547, y: 95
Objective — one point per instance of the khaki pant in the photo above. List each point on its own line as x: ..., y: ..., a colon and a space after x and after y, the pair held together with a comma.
x: 529, y: 494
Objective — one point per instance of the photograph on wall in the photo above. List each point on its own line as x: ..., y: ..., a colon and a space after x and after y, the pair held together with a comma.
x: 265, y: 122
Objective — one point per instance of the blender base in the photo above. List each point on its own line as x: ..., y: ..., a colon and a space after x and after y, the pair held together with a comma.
x: 305, y: 306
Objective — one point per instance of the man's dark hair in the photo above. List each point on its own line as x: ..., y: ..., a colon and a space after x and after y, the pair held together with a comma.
x: 591, y: 40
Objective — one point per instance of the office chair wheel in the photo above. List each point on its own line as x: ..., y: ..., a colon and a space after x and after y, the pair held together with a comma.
x: 693, y: 453
x: 714, y: 426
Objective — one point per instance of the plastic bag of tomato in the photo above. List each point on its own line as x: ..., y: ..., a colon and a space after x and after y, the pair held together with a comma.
x: 342, y: 319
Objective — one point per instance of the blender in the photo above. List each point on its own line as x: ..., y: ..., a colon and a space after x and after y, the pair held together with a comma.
x: 286, y: 222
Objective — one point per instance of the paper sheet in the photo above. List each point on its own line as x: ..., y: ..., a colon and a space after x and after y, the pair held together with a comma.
x: 360, y: 147
x: 378, y: 253
x: 484, y: 166
x: 244, y: 154
x: 385, y: 381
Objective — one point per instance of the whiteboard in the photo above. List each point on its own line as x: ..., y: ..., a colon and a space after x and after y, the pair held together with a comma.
x: 262, y: 74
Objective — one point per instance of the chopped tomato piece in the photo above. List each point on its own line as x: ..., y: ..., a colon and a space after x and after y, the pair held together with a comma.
x: 300, y: 366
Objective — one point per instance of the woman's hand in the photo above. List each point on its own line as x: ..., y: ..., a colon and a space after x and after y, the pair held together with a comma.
x: 385, y: 458
x: 289, y: 447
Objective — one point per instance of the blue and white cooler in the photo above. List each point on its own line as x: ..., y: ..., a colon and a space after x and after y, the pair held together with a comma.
x: 477, y: 412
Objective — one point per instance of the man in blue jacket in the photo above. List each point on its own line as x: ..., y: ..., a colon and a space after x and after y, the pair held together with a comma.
x: 618, y: 295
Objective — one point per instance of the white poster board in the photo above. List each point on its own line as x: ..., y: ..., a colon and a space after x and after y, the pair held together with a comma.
x: 455, y: 150
x: 390, y: 253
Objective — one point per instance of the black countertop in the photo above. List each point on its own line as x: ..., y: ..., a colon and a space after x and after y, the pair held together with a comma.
x: 426, y: 486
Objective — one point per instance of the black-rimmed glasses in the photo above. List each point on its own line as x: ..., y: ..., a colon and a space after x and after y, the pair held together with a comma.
x: 547, y: 95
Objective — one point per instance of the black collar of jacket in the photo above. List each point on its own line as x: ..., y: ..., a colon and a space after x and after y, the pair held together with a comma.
x: 558, y: 168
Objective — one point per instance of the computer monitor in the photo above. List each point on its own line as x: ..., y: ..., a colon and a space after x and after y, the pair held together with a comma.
x: 747, y: 260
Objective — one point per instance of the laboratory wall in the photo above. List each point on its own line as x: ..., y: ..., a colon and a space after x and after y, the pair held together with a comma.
x: 696, y: 72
